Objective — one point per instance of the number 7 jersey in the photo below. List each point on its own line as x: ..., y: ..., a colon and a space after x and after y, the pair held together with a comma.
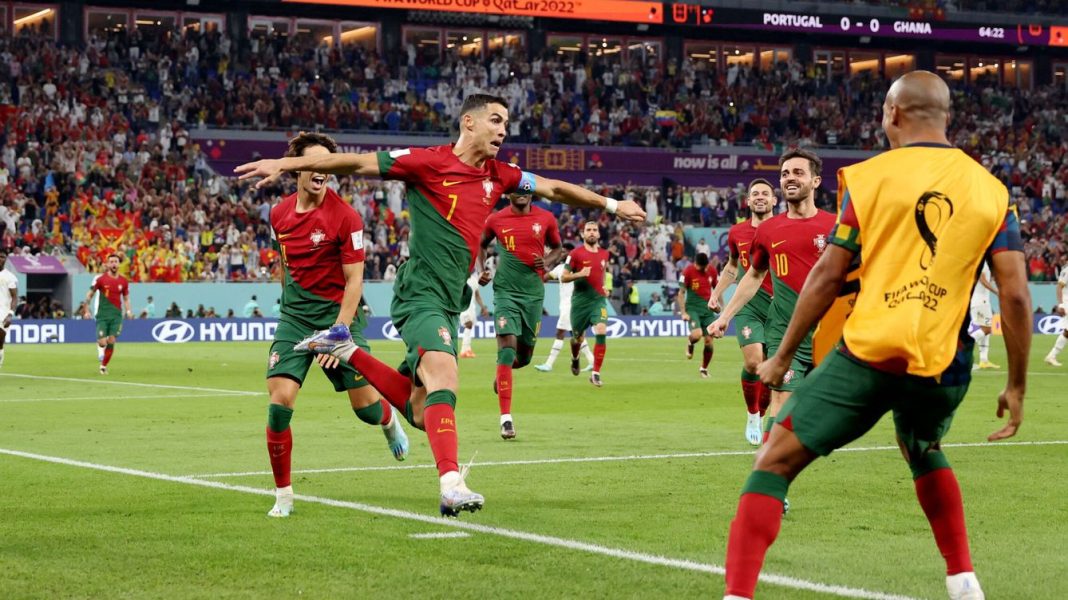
x: 449, y: 202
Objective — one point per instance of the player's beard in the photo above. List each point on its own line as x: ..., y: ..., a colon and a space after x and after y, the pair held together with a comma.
x: 591, y: 241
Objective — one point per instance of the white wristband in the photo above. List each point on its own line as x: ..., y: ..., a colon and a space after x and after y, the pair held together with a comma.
x: 611, y: 204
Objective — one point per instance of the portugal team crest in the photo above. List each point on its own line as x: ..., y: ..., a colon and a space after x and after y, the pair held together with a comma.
x: 788, y: 376
x: 272, y: 361
x: 317, y: 237
x: 747, y: 332
x: 501, y: 322
x: 445, y: 335
x: 820, y: 242
x: 537, y: 229
x: 487, y: 186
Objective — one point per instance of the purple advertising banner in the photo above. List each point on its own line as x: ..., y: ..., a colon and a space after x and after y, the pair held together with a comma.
x: 572, y: 163
x: 37, y: 265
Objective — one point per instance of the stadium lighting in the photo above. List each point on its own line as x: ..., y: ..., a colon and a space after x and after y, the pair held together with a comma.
x: 37, y: 15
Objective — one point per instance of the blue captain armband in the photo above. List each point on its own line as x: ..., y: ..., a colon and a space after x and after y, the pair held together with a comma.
x: 526, y: 184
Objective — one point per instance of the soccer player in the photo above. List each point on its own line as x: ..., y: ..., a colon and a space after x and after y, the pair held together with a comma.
x: 1062, y: 310
x: 469, y: 317
x: 451, y: 191
x: 113, y: 303
x: 983, y: 316
x: 320, y: 240
x: 563, y: 320
x: 788, y: 245
x: 905, y: 345
x: 522, y: 232
x: 695, y: 288
x: 749, y: 322
x: 585, y: 267
x: 9, y: 297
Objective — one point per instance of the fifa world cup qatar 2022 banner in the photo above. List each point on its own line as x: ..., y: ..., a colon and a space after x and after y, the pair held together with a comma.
x: 180, y: 331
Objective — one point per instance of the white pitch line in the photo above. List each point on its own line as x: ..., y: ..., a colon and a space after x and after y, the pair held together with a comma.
x: 213, y: 395
x: 651, y: 559
x: 439, y: 535
x: 553, y: 461
x: 135, y: 384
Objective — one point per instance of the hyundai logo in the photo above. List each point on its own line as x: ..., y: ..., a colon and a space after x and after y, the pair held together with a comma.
x: 1051, y: 324
x: 616, y: 328
x: 173, y: 332
x: 390, y: 332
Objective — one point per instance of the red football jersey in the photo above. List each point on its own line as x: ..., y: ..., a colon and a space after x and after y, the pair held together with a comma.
x: 740, y: 244
x: 699, y: 283
x: 525, y: 236
x: 112, y: 288
x: 579, y: 259
x: 315, y: 244
x: 791, y: 247
x: 463, y: 195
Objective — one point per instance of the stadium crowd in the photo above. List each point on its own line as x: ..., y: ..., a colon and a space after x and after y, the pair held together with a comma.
x: 96, y: 154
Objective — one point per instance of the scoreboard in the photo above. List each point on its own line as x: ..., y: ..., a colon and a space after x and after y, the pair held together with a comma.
x: 875, y: 27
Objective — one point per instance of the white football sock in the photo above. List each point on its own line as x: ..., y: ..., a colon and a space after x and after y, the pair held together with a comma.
x: 585, y: 348
x: 1058, y: 345
x: 465, y: 339
x: 558, y: 345
x: 984, y: 349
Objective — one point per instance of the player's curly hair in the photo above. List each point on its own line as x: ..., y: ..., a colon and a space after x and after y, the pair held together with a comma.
x: 815, y: 163
x: 305, y: 140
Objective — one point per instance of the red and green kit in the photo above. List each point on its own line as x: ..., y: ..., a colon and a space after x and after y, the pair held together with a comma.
x: 588, y: 305
x: 749, y: 322
x: 109, y: 305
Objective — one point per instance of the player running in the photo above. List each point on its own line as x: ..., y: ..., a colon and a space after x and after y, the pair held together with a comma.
x: 563, y: 320
x: 9, y: 296
x: 1062, y: 310
x: 114, y: 298
x: 475, y: 309
x: 788, y: 245
x: 695, y: 288
x: 585, y: 266
x: 451, y: 191
x: 905, y: 347
x: 522, y: 232
x: 983, y: 317
x: 320, y: 240
x: 749, y: 322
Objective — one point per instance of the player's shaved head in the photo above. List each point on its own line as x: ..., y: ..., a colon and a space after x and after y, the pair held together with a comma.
x: 921, y: 96
x: 916, y: 109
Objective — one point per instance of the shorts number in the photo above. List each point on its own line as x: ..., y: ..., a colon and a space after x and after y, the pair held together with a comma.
x: 604, y: 313
x: 695, y: 285
x: 452, y: 208
x: 782, y: 265
x: 509, y: 242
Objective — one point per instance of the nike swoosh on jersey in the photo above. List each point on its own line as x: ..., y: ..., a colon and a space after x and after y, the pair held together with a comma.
x: 506, y: 230
x: 740, y: 244
x: 447, y: 183
x: 777, y: 244
x: 283, y: 236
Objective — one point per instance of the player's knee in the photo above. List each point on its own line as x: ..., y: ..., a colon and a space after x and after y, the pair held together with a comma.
x: 506, y: 355
x: 523, y: 357
x: 783, y: 454
x: 923, y: 463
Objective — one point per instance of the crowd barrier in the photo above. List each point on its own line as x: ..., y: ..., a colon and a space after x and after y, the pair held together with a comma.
x: 180, y: 331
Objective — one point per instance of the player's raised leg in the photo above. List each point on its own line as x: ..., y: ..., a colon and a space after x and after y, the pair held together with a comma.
x: 371, y: 408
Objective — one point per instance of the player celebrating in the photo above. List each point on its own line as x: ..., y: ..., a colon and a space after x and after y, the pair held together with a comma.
x: 451, y: 191
x: 1062, y: 310
x: 789, y: 245
x: 320, y: 240
x: 563, y: 320
x: 469, y: 317
x: 522, y: 232
x: 114, y: 296
x: 983, y: 316
x: 695, y: 288
x: 905, y: 346
x: 585, y: 266
x: 749, y: 323
x: 9, y: 296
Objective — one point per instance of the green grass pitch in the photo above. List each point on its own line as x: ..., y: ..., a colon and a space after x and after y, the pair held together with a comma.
x: 620, y: 492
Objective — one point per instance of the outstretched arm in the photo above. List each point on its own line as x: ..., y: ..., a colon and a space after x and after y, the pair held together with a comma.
x: 364, y: 164
x: 569, y: 193
x: 726, y: 279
